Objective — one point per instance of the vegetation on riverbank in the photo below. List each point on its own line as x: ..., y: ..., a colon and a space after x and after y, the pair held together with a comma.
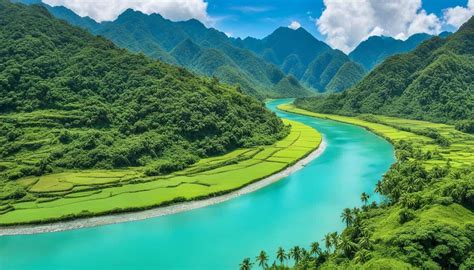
x: 426, y: 219
x: 78, y: 114
x: 84, y: 193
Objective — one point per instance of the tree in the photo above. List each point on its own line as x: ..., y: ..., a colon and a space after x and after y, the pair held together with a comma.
x: 246, y: 264
x: 262, y: 259
x: 362, y: 256
x: 364, y: 197
x: 315, y: 249
x: 281, y: 255
x: 295, y: 253
x: 346, y: 246
x: 347, y: 216
x: 327, y: 241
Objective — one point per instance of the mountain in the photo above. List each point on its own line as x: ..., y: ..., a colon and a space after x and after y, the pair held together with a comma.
x: 162, y: 39
x: 376, y: 49
x: 300, y: 54
x: 72, y: 100
x: 434, y: 82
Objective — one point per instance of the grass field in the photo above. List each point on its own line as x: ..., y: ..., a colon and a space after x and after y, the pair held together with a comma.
x: 81, y: 193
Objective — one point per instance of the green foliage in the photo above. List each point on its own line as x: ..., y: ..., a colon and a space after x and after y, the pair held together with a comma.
x: 434, y: 83
x: 425, y: 220
x: 71, y: 100
x: 465, y: 126
x: 189, y: 44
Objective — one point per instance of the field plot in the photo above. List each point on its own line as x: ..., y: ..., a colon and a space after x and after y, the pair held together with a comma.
x: 72, y: 194
x: 443, y: 143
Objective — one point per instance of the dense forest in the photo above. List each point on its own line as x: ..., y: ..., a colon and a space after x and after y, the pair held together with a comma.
x: 434, y: 83
x: 81, y: 102
x: 309, y: 60
x: 190, y: 44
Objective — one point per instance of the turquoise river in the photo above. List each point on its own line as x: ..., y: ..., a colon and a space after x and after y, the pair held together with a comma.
x: 297, y: 210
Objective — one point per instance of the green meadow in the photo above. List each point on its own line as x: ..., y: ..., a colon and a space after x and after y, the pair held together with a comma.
x: 82, y: 193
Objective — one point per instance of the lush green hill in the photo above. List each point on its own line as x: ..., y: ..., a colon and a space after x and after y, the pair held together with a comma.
x: 70, y: 100
x: 161, y: 39
x: 301, y: 55
x: 347, y: 76
x: 376, y: 49
x: 434, y: 82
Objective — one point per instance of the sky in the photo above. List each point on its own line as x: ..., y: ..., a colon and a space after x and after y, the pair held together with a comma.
x: 343, y: 24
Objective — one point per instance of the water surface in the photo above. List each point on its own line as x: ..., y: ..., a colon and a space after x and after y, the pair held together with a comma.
x: 297, y: 210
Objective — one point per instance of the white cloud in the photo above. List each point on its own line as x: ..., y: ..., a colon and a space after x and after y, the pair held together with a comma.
x: 294, y: 25
x: 106, y: 10
x: 456, y: 16
x: 252, y: 9
x: 346, y: 23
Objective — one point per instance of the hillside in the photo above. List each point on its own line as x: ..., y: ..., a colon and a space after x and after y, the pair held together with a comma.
x: 434, y: 83
x: 70, y: 100
x: 309, y: 60
x: 160, y: 39
x: 376, y: 49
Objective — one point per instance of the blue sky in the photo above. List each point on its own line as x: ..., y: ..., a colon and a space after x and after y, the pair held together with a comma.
x: 245, y: 18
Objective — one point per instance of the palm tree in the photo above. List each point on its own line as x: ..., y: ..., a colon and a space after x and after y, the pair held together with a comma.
x: 347, y: 216
x: 246, y: 264
x: 327, y: 241
x: 334, y: 239
x: 315, y: 249
x: 361, y: 256
x: 262, y: 259
x: 295, y: 253
x: 347, y: 246
x: 364, y: 242
x: 281, y: 255
x: 378, y: 187
x: 364, y: 197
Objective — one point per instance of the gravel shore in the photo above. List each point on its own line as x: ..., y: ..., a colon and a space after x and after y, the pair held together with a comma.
x: 161, y: 211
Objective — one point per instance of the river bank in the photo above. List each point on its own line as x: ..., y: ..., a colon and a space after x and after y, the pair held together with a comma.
x: 161, y: 211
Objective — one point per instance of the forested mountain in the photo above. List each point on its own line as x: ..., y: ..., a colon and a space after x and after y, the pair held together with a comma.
x: 213, y: 53
x: 376, y: 49
x: 89, y: 104
x: 309, y: 60
x: 435, y: 82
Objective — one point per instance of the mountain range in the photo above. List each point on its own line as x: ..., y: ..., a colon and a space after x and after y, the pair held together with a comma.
x: 287, y: 63
x: 375, y: 49
x: 434, y: 82
x: 311, y: 61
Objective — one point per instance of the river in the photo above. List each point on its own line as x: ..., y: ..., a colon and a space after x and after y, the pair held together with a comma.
x: 297, y: 210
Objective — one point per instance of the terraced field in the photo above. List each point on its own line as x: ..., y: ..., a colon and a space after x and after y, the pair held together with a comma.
x: 459, y: 151
x: 73, y: 194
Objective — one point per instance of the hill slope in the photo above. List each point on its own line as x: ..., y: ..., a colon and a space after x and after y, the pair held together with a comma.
x: 434, y: 83
x: 158, y: 37
x: 376, y: 49
x: 301, y: 55
x: 70, y: 100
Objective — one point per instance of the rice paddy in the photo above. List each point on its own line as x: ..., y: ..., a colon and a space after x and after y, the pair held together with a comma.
x: 81, y: 193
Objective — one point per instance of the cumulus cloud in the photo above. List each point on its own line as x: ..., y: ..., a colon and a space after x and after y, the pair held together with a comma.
x: 294, y: 25
x: 346, y: 23
x: 106, y: 10
x: 456, y: 16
